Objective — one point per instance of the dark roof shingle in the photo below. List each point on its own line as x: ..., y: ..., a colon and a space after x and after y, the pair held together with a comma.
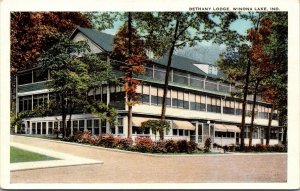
x: 105, y: 41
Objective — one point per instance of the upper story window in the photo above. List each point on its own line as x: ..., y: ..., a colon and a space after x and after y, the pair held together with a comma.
x: 25, y: 78
x: 212, y: 70
x: 39, y: 75
x: 32, y: 76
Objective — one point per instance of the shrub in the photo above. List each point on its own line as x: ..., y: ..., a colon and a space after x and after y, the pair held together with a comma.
x: 225, y: 148
x: 124, y: 143
x: 192, y: 146
x: 182, y: 145
x: 261, y: 148
x: 231, y: 148
x: 84, y: 137
x: 144, y: 144
x: 171, y: 146
x: 207, y: 145
x: 160, y: 147
x: 107, y: 140
x: 95, y: 140
x: 279, y: 148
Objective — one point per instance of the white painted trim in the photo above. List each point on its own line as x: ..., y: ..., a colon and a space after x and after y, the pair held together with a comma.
x: 34, y: 92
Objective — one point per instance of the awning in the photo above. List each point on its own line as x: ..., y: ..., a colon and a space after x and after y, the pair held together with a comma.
x: 183, y: 125
x: 226, y: 128
x: 137, y: 121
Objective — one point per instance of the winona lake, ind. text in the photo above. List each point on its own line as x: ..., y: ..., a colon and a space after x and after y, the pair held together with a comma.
x: 234, y: 9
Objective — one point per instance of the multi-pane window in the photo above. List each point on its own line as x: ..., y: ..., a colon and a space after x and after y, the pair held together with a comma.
x: 146, y: 93
x: 40, y: 75
x: 228, y: 107
x: 210, y: 85
x: 180, y: 77
x: 168, y: 98
x: 40, y: 100
x: 200, y: 103
x: 224, y: 134
x: 274, y: 134
x: 148, y: 71
x: 192, y: 101
x: 25, y: 78
x: 120, y: 126
x: 174, y: 98
x: 224, y: 88
x: 96, y: 126
x: 154, y: 97
x: 81, y: 125
x: 160, y: 93
x: 196, y: 82
x: 103, y: 126
x: 159, y: 73
x: 238, y: 108
x: 180, y: 99
x: 89, y: 125
x: 25, y: 103
x: 139, y: 131
x: 186, y: 101
x: 75, y: 126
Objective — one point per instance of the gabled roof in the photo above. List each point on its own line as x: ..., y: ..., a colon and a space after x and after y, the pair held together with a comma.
x: 105, y: 41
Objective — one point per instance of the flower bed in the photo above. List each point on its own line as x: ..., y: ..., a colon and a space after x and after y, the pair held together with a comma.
x: 140, y: 144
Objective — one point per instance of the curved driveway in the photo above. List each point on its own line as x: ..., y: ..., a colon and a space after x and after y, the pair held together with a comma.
x: 125, y: 167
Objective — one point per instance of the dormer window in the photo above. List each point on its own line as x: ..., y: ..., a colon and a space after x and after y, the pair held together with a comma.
x: 212, y: 70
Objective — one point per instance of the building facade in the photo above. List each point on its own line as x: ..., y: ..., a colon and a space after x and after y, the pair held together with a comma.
x: 199, y: 103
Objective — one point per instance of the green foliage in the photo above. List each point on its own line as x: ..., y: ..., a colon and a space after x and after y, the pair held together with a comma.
x: 156, y: 125
x: 74, y: 72
x: 16, y: 119
x: 101, y: 110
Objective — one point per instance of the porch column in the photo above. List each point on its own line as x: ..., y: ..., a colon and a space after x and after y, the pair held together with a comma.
x: 85, y: 125
x: 196, y: 132
x: 107, y: 127
x: 71, y: 124
x: 26, y: 124
x: 36, y: 124
x: 30, y: 128
x: 47, y: 128
x: 42, y: 128
x: 93, y: 127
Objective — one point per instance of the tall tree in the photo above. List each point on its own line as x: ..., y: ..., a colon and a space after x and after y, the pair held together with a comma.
x: 277, y: 51
x: 28, y: 31
x: 129, y: 48
x: 74, y: 72
x: 167, y: 31
x: 243, y: 55
x: 236, y: 67
x: 263, y: 68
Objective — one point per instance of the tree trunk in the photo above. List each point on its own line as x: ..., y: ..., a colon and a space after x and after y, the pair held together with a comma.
x: 253, y: 112
x: 129, y: 121
x: 245, y: 91
x: 64, y: 116
x: 269, y: 126
x: 129, y: 114
x: 163, y: 109
x: 284, y: 139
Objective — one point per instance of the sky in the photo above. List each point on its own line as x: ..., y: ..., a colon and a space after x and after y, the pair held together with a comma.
x: 204, y: 52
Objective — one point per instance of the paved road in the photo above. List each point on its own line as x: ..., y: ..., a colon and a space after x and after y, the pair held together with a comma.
x: 120, y: 167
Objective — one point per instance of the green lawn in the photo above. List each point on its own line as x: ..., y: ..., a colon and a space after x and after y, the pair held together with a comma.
x: 20, y: 155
